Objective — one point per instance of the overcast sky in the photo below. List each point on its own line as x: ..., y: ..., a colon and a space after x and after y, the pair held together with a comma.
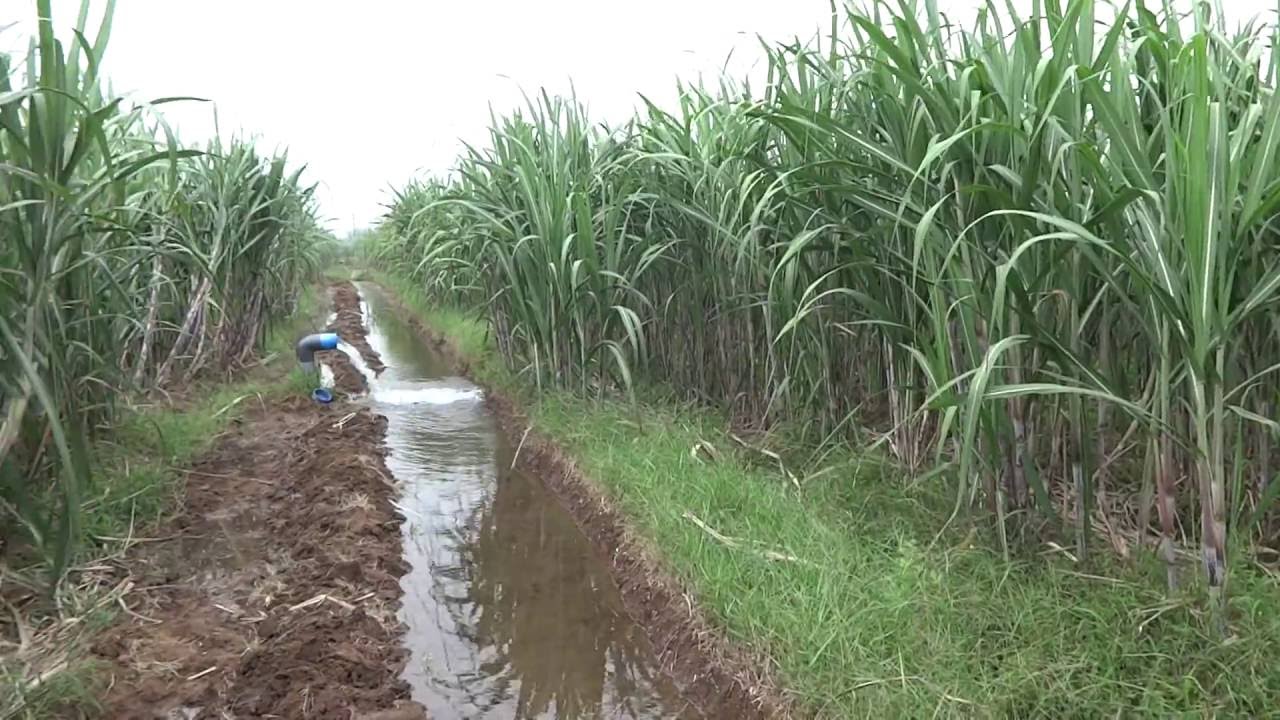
x: 371, y: 93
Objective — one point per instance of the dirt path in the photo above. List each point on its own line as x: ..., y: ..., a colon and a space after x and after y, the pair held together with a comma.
x: 274, y: 592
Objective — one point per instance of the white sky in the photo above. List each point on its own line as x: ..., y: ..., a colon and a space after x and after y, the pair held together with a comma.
x: 370, y: 93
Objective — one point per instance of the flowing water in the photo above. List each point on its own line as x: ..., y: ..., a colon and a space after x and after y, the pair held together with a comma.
x: 510, y: 613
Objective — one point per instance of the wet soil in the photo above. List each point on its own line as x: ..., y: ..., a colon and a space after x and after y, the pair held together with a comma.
x: 275, y: 591
x: 719, y: 678
x: 349, y: 323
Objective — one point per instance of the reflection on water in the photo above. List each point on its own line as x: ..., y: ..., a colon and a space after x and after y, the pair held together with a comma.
x: 509, y: 612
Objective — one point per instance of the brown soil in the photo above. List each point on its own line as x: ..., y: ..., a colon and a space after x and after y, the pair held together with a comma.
x: 719, y: 678
x: 349, y: 323
x: 274, y: 592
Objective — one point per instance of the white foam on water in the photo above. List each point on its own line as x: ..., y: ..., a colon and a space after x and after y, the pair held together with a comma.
x: 425, y: 395
x: 358, y: 361
x: 326, y: 376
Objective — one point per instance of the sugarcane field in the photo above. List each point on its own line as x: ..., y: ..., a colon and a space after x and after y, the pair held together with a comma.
x: 595, y: 361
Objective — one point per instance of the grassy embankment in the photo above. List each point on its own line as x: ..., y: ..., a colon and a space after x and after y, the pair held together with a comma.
x: 879, y: 614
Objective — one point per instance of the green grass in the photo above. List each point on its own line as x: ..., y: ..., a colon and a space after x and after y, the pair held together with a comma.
x: 72, y: 689
x: 338, y: 273
x: 880, y: 616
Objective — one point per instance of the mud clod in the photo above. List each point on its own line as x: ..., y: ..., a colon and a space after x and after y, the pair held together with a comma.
x: 349, y: 323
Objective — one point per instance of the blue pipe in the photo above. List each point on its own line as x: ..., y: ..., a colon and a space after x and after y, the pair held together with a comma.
x: 309, y: 345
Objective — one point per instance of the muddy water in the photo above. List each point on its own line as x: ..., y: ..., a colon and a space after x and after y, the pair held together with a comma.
x: 509, y: 612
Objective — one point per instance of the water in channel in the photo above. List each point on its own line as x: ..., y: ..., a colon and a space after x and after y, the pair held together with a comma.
x: 510, y: 613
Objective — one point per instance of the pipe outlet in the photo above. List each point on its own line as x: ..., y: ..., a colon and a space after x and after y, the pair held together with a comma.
x: 311, y: 344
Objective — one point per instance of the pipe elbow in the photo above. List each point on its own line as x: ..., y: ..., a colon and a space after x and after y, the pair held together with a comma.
x: 311, y: 344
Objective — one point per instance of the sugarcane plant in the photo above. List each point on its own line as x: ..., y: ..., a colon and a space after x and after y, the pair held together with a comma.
x: 1034, y: 255
x: 125, y: 257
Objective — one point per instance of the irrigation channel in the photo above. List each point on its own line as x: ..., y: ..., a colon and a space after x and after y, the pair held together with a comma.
x: 509, y: 612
